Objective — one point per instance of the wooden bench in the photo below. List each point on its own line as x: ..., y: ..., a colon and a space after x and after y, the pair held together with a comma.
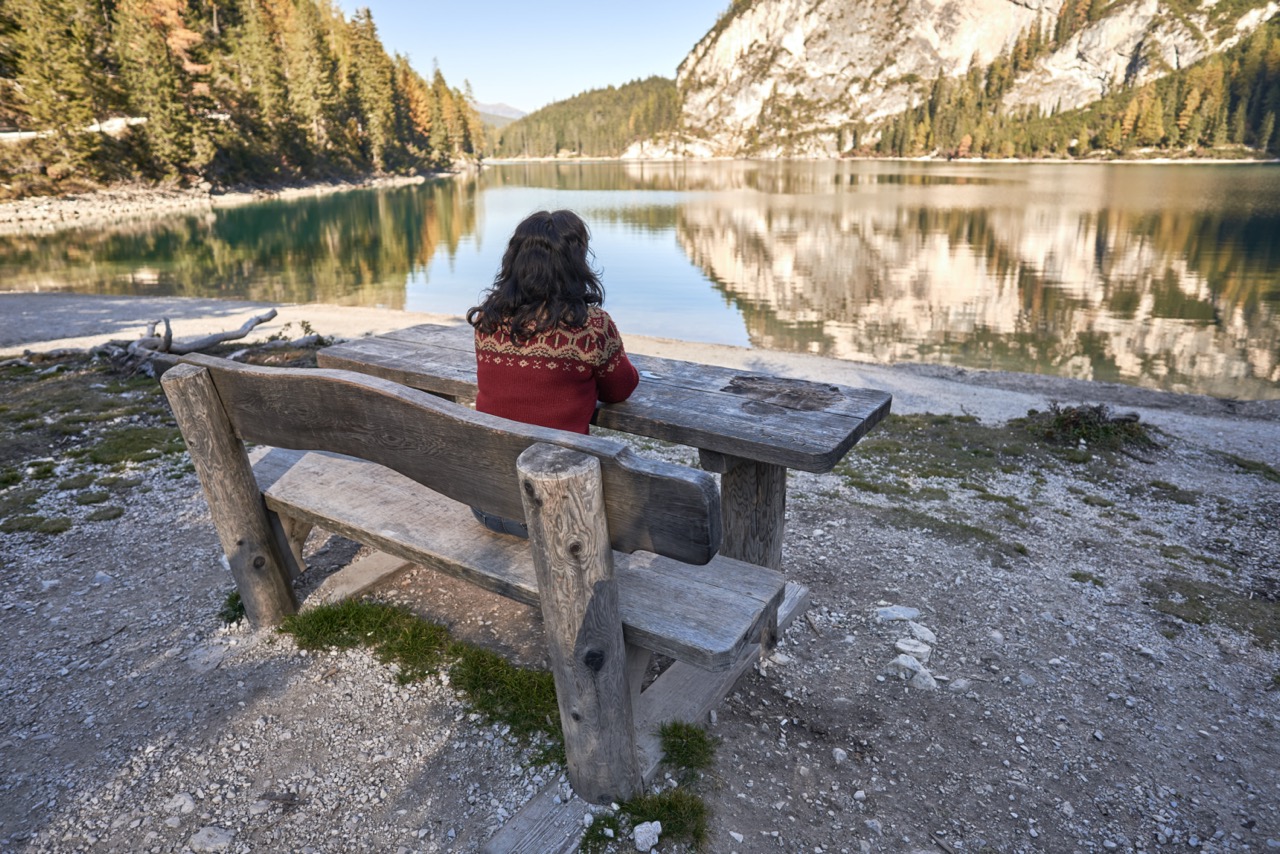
x: 622, y: 557
x: 748, y: 427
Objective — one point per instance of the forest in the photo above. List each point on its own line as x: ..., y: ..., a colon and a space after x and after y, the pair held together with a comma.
x: 228, y: 92
x: 1227, y: 100
x: 597, y: 123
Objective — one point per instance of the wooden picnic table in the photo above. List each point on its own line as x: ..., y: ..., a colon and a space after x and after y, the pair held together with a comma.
x: 748, y: 427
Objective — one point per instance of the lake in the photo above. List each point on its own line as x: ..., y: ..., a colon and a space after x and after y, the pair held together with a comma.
x: 1159, y: 275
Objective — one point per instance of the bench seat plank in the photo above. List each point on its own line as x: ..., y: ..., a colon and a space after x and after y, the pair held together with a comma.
x: 702, y: 615
x: 794, y: 423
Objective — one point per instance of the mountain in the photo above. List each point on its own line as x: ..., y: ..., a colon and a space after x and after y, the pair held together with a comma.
x: 505, y: 111
x: 494, y: 120
x: 826, y: 77
x: 596, y: 123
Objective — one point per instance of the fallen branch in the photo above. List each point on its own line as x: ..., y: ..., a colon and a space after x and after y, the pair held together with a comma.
x: 182, y: 348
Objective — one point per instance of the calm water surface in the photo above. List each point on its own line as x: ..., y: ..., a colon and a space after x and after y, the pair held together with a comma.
x: 1156, y: 275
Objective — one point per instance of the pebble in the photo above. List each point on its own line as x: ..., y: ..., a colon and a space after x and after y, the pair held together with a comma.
x: 211, y: 838
x: 839, y: 755
x: 904, y: 666
x: 735, y: 836
x: 896, y: 613
x: 921, y: 633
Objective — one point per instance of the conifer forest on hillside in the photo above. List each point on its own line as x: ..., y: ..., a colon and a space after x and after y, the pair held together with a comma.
x: 223, y: 91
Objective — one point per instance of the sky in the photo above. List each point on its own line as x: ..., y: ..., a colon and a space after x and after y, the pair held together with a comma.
x: 528, y: 54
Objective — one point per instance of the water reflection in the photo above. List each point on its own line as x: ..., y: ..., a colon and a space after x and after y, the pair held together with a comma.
x: 354, y: 248
x: 1165, y: 276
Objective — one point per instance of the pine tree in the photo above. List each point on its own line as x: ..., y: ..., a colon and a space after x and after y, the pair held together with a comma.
x: 375, y: 89
x: 311, y: 72
x: 59, y: 55
x: 154, y: 77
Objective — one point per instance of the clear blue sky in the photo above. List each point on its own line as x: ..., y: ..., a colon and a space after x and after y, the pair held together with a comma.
x: 528, y: 54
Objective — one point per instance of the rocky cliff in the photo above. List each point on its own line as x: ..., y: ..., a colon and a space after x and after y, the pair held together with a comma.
x: 794, y: 77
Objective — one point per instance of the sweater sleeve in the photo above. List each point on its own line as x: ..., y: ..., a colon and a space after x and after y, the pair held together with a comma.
x: 616, y: 377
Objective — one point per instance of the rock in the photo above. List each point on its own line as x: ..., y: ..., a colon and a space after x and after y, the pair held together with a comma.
x: 839, y: 755
x: 919, y: 650
x: 904, y: 666
x: 647, y: 834
x: 101, y: 577
x: 211, y: 838
x: 588, y: 819
x: 874, y: 826
x: 180, y: 803
x: 735, y: 836
x: 921, y: 633
x: 923, y: 680
x: 896, y: 612
x: 960, y: 685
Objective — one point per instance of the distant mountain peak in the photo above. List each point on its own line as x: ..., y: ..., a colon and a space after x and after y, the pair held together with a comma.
x: 505, y: 110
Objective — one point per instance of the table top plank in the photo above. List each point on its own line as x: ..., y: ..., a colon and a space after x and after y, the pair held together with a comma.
x: 794, y: 423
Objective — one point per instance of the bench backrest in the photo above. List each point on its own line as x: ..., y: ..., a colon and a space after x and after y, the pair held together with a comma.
x: 466, y: 455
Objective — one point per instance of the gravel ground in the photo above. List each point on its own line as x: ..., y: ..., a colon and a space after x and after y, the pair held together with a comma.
x: 1062, y: 706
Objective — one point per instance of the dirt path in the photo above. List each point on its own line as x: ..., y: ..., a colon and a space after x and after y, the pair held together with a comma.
x: 1102, y: 634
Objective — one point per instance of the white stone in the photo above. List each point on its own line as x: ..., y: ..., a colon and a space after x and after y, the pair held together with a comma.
x: 211, y: 839
x: 839, y: 755
x: 924, y: 680
x: 735, y: 836
x: 896, y: 612
x: 922, y: 633
x: 181, y: 802
x: 647, y: 835
x: 904, y: 667
x: 919, y: 650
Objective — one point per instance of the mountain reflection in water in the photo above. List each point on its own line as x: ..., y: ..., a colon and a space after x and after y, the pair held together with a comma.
x: 1166, y: 276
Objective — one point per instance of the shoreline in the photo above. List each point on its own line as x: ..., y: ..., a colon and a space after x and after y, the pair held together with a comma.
x: 136, y: 202
x: 41, y: 322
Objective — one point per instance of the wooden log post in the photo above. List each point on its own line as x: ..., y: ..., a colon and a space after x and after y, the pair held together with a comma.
x: 753, y: 506
x: 564, y: 508
x: 235, y: 504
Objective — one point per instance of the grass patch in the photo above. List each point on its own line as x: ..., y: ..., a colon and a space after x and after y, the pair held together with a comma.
x: 79, y: 481
x: 683, y: 815
x: 35, y: 524
x: 687, y: 746
x: 136, y: 444
x: 105, y: 514
x: 1252, y: 467
x: 9, y: 476
x: 1098, y: 501
x: 1202, y: 603
x: 523, y: 699
x: 1088, y: 578
x: 97, y: 496
x: 42, y: 470
x: 118, y: 483
x: 232, y: 610
x: 18, y: 499
x: 960, y: 532
x: 1094, y: 425
x: 1163, y: 490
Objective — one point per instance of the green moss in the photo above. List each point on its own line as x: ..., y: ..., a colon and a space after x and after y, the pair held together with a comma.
x: 79, y: 481
x: 523, y: 699
x: 1252, y: 467
x: 94, y: 497
x: 105, y: 514
x: 136, y: 444
x: 9, y: 476
x: 1098, y: 501
x: 35, y: 524
x: 1088, y: 578
x: 116, y: 483
x: 1204, y: 603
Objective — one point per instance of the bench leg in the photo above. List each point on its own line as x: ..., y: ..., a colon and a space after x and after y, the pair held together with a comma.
x: 293, y: 534
x: 564, y: 507
x: 753, y: 504
x: 235, y: 504
x: 638, y: 659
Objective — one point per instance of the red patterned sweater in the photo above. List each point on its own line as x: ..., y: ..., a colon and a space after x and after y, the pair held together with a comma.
x: 555, y: 378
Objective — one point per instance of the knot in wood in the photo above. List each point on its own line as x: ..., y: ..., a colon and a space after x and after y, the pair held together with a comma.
x: 575, y: 548
x: 594, y: 659
x: 259, y: 562
x: 532, y: 493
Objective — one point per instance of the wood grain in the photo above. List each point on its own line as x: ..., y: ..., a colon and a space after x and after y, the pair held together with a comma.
x: 569, y: 540
x: 753, y: 498
x: 466, y: 455
x: 250, y: 542
x: 703, y: 615
x: 794, y: 423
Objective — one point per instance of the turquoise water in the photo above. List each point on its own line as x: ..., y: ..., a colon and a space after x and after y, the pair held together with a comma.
x: 1165, y: 276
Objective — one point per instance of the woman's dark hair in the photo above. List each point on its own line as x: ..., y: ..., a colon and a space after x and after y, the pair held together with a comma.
x: 546, y: 279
